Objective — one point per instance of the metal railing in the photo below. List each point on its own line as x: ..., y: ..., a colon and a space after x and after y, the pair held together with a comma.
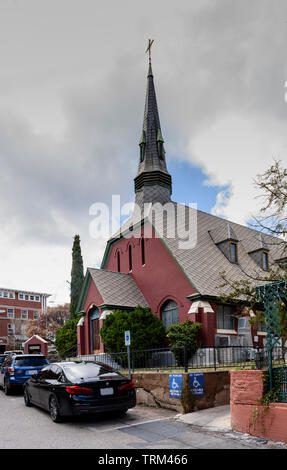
x: 280, y: 381
x: 181, y: 358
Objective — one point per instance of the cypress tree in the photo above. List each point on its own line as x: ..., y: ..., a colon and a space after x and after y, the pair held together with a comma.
x: 77, y: 275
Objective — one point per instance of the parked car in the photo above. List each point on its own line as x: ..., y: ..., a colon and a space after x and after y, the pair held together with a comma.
x: 13, y: 351
x: 17, y: 369
x: 76, y: 388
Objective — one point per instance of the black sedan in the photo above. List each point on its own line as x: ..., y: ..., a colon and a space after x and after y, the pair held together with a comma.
x: 76, y: 388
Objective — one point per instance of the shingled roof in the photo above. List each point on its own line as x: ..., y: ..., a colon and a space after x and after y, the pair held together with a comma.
x: 203, y: 261
x: 117, y: 289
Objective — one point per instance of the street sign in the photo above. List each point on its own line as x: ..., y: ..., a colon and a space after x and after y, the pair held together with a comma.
x: 175, y: 385
x: 196, y: 384
x: 127, y: 338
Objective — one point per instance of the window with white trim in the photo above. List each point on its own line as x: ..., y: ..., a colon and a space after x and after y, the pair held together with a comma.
x: 10, y: 312
x: 7, y: 294
x: 31, y: 298
x: 36, y: 314
x: 24, y: 314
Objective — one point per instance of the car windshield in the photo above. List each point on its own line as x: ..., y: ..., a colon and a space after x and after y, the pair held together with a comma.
x: 30, y: 361
x: 2, y: 358
x: 86, y: 371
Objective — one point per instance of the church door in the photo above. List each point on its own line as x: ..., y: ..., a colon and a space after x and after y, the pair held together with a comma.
x: 95, y: 330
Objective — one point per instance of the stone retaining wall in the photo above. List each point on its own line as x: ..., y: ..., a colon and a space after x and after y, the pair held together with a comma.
x: 153, y: 390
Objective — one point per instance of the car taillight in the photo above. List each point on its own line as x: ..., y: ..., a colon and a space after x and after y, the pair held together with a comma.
x: 11, y: 370
x: 76, y: 390
x: 127, y: 386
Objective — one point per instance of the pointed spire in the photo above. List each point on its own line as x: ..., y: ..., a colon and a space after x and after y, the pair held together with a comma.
x: 152, y: 170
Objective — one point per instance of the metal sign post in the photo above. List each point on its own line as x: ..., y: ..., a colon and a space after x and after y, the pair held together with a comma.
x: 128, y: 343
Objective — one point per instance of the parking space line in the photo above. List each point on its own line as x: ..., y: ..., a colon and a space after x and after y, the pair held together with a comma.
x: 136, y: 424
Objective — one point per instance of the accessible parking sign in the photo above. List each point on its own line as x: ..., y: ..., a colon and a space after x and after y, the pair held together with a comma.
x: 196, y: 384
x: 175, y: 385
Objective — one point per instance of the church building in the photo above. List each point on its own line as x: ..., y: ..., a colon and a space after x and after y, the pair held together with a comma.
x: 177, y: 279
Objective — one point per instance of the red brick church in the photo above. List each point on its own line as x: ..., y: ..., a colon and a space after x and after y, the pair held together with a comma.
x: 148, y: 267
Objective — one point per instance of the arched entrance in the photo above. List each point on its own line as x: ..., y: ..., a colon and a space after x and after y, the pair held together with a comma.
x: 94, y: 330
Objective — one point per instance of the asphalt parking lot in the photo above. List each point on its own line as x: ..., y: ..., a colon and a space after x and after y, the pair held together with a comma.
x: 141, y: 428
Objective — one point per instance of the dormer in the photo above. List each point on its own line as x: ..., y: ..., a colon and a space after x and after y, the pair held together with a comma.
x: 226, y: 240
x: 260, y: 254
x: 261, y: 257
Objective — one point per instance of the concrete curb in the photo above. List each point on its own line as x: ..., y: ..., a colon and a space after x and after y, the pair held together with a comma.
x: 213, y: 419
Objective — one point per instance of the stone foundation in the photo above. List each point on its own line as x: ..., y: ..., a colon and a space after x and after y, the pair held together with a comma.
x: 153, y: 390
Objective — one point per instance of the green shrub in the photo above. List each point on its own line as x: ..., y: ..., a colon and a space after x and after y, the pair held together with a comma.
x: 66, y: 337
x: 146, y: 330
x: 182, y: 335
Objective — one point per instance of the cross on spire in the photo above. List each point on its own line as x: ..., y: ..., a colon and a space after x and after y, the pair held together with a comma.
x: 150, y: 43
x: 153, y: 181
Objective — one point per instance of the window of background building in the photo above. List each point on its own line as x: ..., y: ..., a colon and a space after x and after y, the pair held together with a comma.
x: 10, y: 328
x: 24, y: 314
x: 10, y: 312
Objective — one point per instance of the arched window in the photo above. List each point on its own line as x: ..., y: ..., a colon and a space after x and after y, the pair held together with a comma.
x: 143, y: 250
x: 130, y: 258
x: 169, y: 313
x: 119, y: 261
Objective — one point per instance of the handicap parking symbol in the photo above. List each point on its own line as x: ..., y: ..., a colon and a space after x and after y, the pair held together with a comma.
x: 175, y: 385
x: 196, y: 384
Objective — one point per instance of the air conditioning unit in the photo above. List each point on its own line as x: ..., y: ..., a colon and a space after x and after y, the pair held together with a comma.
x: 236, y: 341
x: 243, y: 323
x: 222, y: 340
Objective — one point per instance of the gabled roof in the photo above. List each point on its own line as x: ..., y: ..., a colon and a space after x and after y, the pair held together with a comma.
x: 117, y: 289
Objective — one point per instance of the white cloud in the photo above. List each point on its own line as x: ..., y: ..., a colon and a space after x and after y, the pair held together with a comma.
x: 234, y: 150
x: 72, y: 84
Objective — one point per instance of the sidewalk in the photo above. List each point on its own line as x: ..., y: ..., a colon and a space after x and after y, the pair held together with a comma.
x: 212, y: 419
x: 218, y: 419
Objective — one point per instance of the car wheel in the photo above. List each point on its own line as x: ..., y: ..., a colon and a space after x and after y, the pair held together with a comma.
x: 54, y: 410
x: 7, y: 388
x: 27, y: 400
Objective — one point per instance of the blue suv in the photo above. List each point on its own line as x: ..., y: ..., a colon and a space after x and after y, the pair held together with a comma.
x: 17, y: 369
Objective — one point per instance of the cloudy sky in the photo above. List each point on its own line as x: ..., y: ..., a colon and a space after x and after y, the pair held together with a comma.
x: 72, y: 90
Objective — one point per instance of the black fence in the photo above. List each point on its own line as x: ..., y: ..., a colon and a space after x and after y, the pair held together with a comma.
x: 181, y: 358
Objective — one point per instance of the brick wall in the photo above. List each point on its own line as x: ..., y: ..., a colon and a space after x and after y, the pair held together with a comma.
x: 248, y: 415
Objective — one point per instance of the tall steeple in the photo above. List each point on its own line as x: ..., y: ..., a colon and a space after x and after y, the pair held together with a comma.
x: 153, y: 181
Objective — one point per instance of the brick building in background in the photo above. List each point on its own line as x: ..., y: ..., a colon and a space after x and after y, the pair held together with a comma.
x: 17, y: 309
